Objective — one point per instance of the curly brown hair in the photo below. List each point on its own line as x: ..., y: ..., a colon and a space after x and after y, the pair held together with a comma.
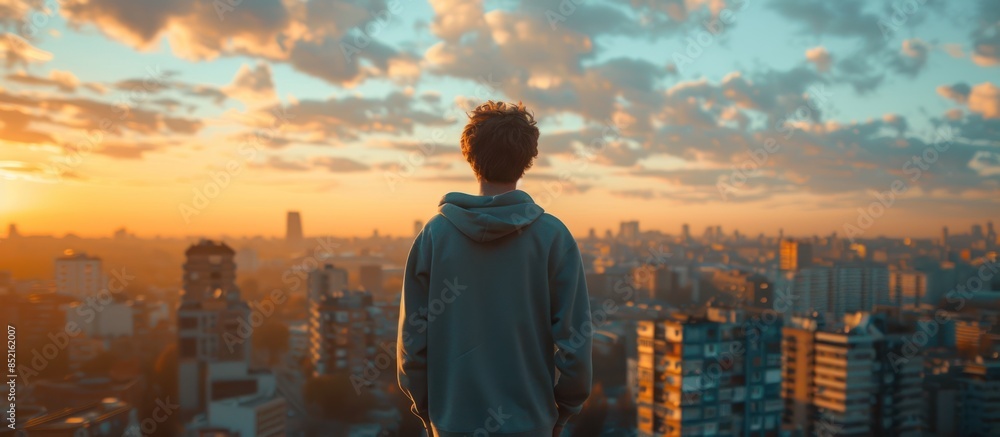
x: 500, y: 141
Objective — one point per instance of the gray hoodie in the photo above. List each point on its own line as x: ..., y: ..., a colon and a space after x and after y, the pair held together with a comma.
x: 492, y: 286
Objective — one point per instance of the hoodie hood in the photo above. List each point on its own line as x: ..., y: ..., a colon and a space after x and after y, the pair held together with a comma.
x: 486, y: 218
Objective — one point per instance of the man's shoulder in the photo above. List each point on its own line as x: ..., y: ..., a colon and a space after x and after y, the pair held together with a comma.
x: 552, y: 224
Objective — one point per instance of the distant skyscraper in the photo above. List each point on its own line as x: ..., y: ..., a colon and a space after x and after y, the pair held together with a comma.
x: 629, y: 230
x: 12, y: 231
x: 907, y: 289
x: 417, y: 227
x: 837, y: 290
x: 795, y: 255
x: 79, y: 275
x: 944, y: 236
x: 326, y: 281
x: 371, y: 278
x: 848, y: 379
x: 858, y: 287
x: 212, y: 323
x: 686, y: 232
x: 293, y: 227
x: 341, y: 332
x: 691, y: 380
x: 661, y: 283
x: 977, y: 231
x: 808, y: 289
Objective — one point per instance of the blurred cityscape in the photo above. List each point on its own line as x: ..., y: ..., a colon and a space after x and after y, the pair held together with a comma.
x: 695, y: 333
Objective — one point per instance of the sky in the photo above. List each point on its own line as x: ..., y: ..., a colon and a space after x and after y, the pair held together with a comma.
x: 199, y: 117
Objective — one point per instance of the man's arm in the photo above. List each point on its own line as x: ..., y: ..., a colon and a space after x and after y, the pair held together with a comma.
x: 411, y: 341
x: 571, y: 330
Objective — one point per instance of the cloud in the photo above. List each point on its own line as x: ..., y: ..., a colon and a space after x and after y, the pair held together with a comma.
x: 985, y: 99
x: 340, y: 165
x: 278, y: 163
x: 119, y: 150
x: 912, y: 58
x: 986, y: 34
x: 958, y: 92
x: 325, y: 39
x: 16, y: 128
x: 820, y: 57
x: 341, y: 119
x: 65, y: 81
x: 95, y: 115
x: 252, y: 86
x: 20, y: 52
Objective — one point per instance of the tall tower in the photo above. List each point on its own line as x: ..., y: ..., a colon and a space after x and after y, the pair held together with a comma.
x: 681, y: 395
x: 326, y: 281
x: 847, y: 378
x: 293, y: 227
x: 417, y: 227
x: 12, y: 231
x: 78, y: 275
x: 795, y: 255
x: 341, y: 332
x: 211, y: 323
x: 629, y: 230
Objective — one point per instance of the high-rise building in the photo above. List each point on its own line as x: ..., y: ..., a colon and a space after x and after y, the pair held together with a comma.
x: 629, y: 230
x: 293, y: 227
x: 853, y: 378
x: 418, y: 226
x: 12, y: 231
x: 371, y: 278
x: 326, y: 281
x: 685, y: 232
x: 744, y: 287
x: 944, y: 236
x: 858, y: 287
x: 977, y: 231
x: 907, y: 289
x: 212, y: 322
x: 660, y: 283
x: 794, y: 255
x: 341, y: 332
x: 78, y: 275
x: 719, y: 374
x: 836, y: 290
x: 979, y: 387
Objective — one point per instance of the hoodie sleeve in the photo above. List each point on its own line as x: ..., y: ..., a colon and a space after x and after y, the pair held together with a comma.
x: 570, y: 330
x: 411, y: 341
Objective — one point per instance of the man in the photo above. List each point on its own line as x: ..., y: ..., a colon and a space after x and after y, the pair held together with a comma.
x: 494, y: 326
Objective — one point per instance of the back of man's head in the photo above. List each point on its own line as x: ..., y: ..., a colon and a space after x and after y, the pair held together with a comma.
x: 500, y: 141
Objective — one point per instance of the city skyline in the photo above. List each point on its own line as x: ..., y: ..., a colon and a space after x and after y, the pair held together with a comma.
x: 955, y: 227
x: 673, y: 111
